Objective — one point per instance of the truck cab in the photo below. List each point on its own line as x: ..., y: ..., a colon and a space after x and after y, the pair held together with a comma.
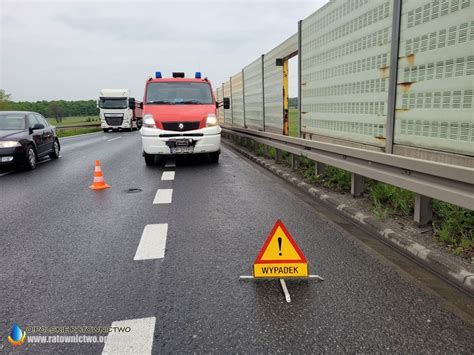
x: 118, y: 110
x: 179, y: 117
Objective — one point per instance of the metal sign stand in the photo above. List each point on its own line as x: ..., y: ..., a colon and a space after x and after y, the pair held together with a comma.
x: 282, y: 283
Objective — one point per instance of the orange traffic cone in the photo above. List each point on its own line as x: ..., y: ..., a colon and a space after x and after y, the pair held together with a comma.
x: 99, y: 183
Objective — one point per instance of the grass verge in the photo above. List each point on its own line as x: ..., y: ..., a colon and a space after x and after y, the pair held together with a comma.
x: 76, y: 131
x: 293, y: 122
x: 76, y: 120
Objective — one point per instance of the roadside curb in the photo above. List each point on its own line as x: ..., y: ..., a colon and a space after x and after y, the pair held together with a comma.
x: 431, y: 259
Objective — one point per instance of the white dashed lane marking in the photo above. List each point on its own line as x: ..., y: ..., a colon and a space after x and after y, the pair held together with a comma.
x: 163, y: 196
x: 167, y: 175
x: 153, y: 242
x: 110, y: 140
x: 139, y: 340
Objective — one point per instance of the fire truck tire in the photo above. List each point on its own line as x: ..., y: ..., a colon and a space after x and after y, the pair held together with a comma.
x: 149, y: 159
x: 214, y: 157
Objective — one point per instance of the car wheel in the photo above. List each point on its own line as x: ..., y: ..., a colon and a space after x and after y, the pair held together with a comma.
x: 149, y: 159
x: 30, y: 158
x: 139, y: 124
x: 106, y: 130
x: 55, y: 153
x: 214, y: 157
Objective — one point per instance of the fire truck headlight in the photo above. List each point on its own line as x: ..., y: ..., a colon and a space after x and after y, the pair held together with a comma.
x: 149, y: 121
x: 211, y: 120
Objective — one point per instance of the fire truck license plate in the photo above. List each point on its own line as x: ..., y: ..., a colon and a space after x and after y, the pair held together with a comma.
x: 182, y: 150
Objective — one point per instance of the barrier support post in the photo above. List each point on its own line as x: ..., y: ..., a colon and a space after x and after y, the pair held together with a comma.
x: 423, y: 210
x: 357, y: 185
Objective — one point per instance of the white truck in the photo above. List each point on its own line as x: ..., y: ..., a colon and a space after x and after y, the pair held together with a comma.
x: 118, y: 110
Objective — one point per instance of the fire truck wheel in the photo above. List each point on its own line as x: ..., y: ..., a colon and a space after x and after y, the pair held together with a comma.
x: 149, y: 159
x: 214, y: 157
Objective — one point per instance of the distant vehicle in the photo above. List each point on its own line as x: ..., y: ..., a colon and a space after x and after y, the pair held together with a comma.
x: 118, y: 110
x: 180, y: 118
x: 26, y: 137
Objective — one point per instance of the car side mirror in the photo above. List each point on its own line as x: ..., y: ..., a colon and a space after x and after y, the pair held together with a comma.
x: 131, y: 103
x: 226, y: 103
x: 37, y: 126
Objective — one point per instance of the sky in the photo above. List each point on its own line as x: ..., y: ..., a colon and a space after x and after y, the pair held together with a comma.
x: 71, y: 49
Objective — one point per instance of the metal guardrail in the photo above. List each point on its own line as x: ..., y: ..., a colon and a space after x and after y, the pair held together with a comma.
x: 449, y: 183
x: 93, y: 125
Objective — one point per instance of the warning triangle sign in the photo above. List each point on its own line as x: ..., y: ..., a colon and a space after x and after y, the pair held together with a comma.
x: 280, y: 256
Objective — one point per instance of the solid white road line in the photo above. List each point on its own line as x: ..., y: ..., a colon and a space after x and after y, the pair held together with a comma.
x: 170, y: 164
x: 167, y: 175
x: 153, y: 242
x: 163, y: 196
x: 139, y: 340
x: 110, y: 140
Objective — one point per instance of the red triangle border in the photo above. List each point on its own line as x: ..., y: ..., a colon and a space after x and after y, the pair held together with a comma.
x: 280, y: 224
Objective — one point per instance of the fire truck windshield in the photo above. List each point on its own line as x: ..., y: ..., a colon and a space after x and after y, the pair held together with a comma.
x: 178, y: 93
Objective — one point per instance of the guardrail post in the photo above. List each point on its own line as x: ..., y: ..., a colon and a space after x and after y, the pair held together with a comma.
x: 265, y: 151
x: 295, y: 161
x: 357, y: 185
x: 423, y: 210
x: 278, y: 155
x: 319, y: 168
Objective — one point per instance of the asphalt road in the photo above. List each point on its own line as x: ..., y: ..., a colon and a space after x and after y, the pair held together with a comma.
x: 67, y: 258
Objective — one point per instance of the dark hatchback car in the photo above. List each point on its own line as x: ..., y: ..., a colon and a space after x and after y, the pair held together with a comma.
x: 26, y: 137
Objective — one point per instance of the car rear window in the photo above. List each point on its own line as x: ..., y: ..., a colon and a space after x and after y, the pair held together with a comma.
x: 11, y: 121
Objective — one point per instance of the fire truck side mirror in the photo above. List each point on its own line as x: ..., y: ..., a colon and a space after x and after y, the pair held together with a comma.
x: 226, y: 103
x: 131, y: 103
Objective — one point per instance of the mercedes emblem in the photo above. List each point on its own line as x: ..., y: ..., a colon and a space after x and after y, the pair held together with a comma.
x: 181, y: 126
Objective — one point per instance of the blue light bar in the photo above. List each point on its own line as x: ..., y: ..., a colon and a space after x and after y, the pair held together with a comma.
x: 158, y: 75
x: 197, y: 75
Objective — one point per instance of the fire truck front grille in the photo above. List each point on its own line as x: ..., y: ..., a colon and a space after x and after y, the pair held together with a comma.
x: 114, y: 120
x: 180, y: 126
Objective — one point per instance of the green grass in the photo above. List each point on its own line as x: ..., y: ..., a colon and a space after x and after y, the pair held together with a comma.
x: 76, y: 120
x: 388, y: 200
x: 293, y: 122
x: 76, y: 131
x: 454, y: 226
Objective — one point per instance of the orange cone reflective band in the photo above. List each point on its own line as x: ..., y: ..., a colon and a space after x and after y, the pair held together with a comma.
x: 99, y: 182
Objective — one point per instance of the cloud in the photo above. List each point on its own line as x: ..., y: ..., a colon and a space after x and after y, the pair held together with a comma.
x: 72, y: 49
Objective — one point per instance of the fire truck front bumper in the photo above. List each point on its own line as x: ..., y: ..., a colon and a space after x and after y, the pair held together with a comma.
x: 204, y: 140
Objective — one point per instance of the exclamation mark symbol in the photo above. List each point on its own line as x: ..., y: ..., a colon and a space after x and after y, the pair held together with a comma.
x: 279, y: 245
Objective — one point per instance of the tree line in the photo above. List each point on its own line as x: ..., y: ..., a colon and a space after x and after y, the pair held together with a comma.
x: 51, y: 109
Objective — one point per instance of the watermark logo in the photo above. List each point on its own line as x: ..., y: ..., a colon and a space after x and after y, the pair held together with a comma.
x: 17, y: 337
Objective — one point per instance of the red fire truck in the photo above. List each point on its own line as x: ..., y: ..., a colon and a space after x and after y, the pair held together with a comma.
x: 179, y: 117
